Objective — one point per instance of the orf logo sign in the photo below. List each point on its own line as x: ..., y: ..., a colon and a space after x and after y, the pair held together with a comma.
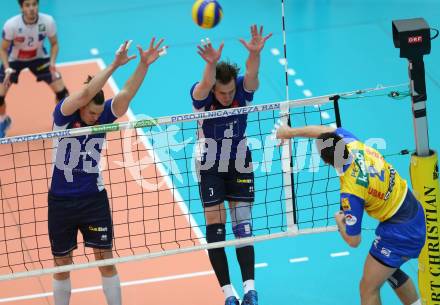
x: 415, y: 39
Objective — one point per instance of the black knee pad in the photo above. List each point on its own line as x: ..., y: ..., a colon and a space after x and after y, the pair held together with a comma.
x: 62, y: 94
x: 215, y: 232
x: 397, y: 279
x: 2, y: 100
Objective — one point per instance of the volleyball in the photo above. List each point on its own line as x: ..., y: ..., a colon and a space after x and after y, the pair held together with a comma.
x: 207, y: 13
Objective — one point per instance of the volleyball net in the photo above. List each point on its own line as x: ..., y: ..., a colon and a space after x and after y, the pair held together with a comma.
x: 148, y: 167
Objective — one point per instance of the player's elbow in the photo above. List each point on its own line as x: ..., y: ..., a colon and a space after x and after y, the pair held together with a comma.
x: 354, y: 241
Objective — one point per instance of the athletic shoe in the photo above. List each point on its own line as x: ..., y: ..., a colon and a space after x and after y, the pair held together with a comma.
x: 231, y: 301
x: 4, y: 126
x: 250, y: 298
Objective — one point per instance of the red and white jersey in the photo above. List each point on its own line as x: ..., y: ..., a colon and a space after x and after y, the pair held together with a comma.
x: 27, y: 39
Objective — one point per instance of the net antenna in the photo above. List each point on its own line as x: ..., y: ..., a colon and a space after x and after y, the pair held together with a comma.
x: 287, y: 155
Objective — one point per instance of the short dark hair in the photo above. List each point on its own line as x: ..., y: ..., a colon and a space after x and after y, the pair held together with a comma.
x: 328, y: 151
x: 20, y: 2
x: 98, y: 99
x: 226, y: 71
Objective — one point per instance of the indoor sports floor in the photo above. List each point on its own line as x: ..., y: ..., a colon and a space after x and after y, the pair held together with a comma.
x: 332, y: 46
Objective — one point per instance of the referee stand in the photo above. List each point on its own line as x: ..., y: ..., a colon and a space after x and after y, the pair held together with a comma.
x: 413, y: 38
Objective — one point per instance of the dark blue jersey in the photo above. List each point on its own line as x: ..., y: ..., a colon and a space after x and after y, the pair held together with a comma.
x: 224, y: 137
x: 76, y: 171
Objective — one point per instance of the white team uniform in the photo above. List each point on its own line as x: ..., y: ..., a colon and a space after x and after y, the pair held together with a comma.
x: 27, y: 39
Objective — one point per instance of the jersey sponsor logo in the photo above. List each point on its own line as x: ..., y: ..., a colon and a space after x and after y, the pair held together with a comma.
x: 385, y: 252
x: 345, y: 203
x: 19, y: 39
x: 244, y: 180
x: 375, y: 193
x: 98, y: 229
x: 362, y: 177
x: 376, y: 241
x: 41, y: 27
x: 104, y: 237
x: 391, y: 183
x: 373, y: 153
x: 27, y: 54
x: 350, y: 220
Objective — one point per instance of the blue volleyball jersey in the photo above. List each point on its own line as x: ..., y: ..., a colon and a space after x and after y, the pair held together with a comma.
x: 76, y: 171
x: 227, y: 134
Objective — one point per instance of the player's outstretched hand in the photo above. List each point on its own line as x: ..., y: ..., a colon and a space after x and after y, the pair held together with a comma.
x: 150, y: 55
x: 122, y: 57
x: 208, y: 53
x: 256, y: 44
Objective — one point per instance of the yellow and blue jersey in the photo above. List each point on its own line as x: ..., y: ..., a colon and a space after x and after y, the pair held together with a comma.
x: 368, y: 183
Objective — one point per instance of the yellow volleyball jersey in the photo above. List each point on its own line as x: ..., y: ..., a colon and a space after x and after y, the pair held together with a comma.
x: 372, y: 179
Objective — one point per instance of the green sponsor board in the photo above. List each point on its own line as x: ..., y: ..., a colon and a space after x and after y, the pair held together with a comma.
x: 145, y: 123
x: 105, y: 128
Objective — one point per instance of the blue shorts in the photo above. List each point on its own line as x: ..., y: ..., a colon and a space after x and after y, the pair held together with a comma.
x: 396, y: 243
x: 39, y: 67
x: 91, y: 215
x: 216, y: 186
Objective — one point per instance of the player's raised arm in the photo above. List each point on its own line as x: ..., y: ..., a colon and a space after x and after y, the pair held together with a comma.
x: 312, y: 131
x: 81, y: 98
x: 211, y: 56
x: 147, y: 57
x: 254, y: 46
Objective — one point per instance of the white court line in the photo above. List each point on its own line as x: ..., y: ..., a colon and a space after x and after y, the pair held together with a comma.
x: 325, y: 115
x: 261, y: 265
x: 339, y: 254
x: 275, y: 51
x: 308, y: 93
x: 299, y: 82
x: 299, y: 260
x: 78, y: 62
x: 123, y: 284
x: 291, y: 72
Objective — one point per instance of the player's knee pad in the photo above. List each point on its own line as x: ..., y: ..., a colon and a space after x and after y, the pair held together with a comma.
x: 215, y: 233
x: 242, y: 222
x: 397, y: 279
x: 62, y: 94
x: 242, y: 219
x: 2, y: 100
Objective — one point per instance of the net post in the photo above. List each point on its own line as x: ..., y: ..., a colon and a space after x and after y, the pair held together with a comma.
x: 412, y: 37
x: 288, y: 179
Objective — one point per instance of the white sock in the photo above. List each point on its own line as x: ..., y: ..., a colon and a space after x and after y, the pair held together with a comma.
x: 228, y: 291
x: 248, y: 285
x: 418, y: 302
x: 112, y: 289
x: 61, y: 291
